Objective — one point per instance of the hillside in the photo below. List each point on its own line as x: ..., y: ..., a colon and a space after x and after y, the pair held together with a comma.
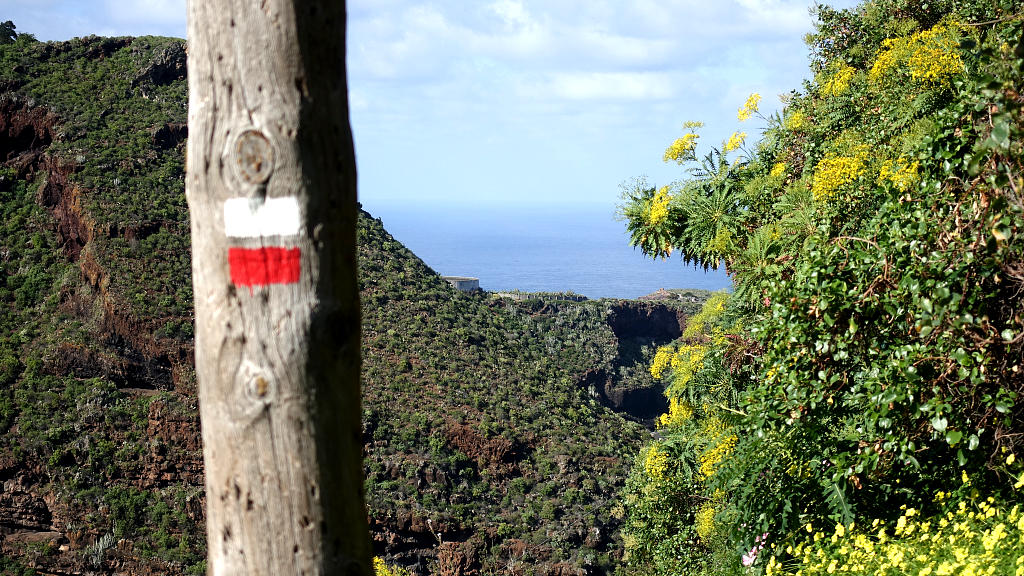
x: 493, y: 444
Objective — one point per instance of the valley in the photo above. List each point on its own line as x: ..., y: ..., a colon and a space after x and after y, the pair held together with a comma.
x: 498, y: 432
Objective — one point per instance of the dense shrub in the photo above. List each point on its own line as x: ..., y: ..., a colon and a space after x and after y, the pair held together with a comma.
x: 874, y: 238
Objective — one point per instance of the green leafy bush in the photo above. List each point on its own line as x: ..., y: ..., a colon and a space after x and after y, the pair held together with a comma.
x: 875, y: 241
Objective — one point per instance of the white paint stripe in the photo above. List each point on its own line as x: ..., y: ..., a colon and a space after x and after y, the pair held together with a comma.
x: 245, y: 218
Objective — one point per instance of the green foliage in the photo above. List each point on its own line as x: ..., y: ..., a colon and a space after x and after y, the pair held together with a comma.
x: 61, y: 413
x: 12, y: 567
x: 127, y: 510
x: 131, y: 189
x: 879, y: 271
x: 701, y: 219
x: 672, y: 502
x: 7, y: 32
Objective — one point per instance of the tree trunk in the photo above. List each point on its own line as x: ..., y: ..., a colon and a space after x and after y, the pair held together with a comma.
x: 271, y: 187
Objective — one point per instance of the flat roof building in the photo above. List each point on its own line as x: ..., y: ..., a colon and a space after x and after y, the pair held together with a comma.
x: 463, y: 283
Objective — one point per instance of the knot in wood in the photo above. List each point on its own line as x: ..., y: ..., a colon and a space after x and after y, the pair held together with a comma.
x: 257, y: 384
x: 259, y: 388
x: 262, y: 387
x: 254, y: 157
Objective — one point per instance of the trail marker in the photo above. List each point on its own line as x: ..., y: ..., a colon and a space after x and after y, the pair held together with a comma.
x: 263, y: 218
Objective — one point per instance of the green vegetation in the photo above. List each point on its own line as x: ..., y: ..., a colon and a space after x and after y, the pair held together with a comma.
x: 9, y: 34
x: 114, y: 96
x: 864, y: 376
x: 486, y: 445
x: 12, y: 567
x: 86, y: 185
x: 866, y: 373
x: 475, y: 417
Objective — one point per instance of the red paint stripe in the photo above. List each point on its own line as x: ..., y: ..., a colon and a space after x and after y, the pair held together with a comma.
x: 262, y: 266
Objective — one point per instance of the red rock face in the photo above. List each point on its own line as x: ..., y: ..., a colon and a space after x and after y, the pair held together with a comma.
x: 649, y: 322
x: 25, y: 131
x: 142, y: 358
x: 459, y: 558
x: 493, y: 453
x: 176, y: 450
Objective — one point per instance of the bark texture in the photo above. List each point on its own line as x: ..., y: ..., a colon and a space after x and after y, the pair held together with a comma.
x: 277, y: 360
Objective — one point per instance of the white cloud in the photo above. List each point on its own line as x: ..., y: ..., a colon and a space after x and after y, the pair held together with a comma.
x: 410, y: 46
x: 611, y: 86
x: 412, y: 40
x: 513, y: 13
x: 435, y: 82
x: 619, y: 51
x: 781, y: 16
x: 597, y: 83
x: 160, y: 16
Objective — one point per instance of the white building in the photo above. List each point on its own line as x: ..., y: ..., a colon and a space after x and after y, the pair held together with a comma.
x: 463, y: 283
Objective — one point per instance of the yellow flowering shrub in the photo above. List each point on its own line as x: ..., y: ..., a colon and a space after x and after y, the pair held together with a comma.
x: 668, y: 496
x: 936, y: 61
x: 795, y: 121
x: 679, y: 412
x: 749, y: 107
x: 900, y: 173
x: 688, y: 358
x: 974, y: 537
x: 661, y: 361
x: 710, y: 312
x: 834, y: 171
x: 735, y: 141
x: 838, y: 82
x: 656, y: 462
x: 778, y: 170
x: 681, y: 150
x: 683, y: 362
x: 930, y: 57
x: 721, y: 442
x: 380, y: 568
x: 835, y: 383
x: 659, y: 207
x: 686, y: 362
x: 704, y: 520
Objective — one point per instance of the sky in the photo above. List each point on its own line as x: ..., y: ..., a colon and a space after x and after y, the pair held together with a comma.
x: 521, y: 102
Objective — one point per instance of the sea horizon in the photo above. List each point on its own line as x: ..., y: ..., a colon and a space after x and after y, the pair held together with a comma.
x: 579, y: 248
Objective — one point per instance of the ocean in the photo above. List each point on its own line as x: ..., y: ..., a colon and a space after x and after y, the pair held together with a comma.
x: 544, y: 249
